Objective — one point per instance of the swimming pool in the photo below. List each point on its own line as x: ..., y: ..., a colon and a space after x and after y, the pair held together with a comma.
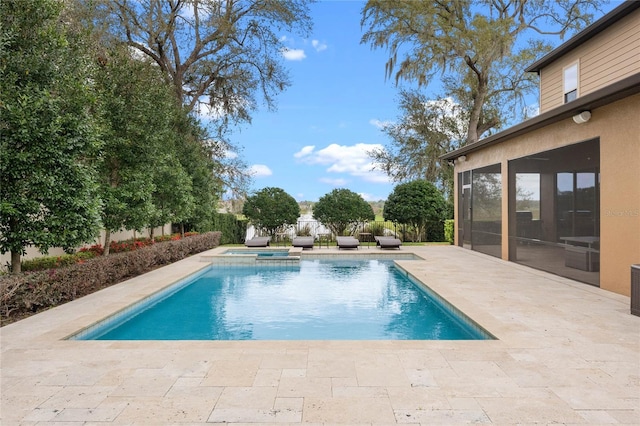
x: 315, y: 300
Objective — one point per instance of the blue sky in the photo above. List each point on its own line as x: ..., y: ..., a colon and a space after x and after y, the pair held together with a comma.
x: 329, y: 118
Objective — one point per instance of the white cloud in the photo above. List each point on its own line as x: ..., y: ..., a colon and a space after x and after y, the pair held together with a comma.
x: 379, y: 124
x: 370, y: 197
x: 260, y: 170
x: 318, y: 45
x: 338, y: 183
x: 293, y: 54
x: 352, y: 160
x: 304, y: 151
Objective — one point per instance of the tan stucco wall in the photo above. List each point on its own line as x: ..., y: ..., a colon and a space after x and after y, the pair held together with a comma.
x: 618, y: 127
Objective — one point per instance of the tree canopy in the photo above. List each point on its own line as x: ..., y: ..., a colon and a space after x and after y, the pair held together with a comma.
x: 415, y: 203
x: 221, y: 58
x: 220, y: 53
x: 425, y: 131
x: 480, y: 48
x: 48, y: 136
x: 137, y: 109
x: 271, y: 209
x: 342, y: 210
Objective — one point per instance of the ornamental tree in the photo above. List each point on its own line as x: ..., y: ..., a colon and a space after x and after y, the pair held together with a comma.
x: 271, y: 209
x: 48, y: 137
x: 137, y: 108
x: 342, y: 210
x: 415, y: 203
x: 197, y: 159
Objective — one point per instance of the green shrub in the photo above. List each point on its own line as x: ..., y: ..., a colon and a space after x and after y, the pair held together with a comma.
x: 52, y: 262
x: 28, y: 293
x: 233, y: 229
x: 376, y: 228
x: 449, y: 230
x: 435, y: 230
x: 169, y: 237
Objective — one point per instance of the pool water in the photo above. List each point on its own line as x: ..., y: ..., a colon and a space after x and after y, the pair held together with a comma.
x: 317, y: 300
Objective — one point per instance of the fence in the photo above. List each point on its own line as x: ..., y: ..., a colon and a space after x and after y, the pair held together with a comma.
x: 434, y: 230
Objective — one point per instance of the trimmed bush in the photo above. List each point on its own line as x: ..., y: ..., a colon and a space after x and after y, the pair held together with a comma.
x: 24, y: 294
x: 233, y: 229
x: 435, y: 230
x: 51, y: 262
x: 449, y: 230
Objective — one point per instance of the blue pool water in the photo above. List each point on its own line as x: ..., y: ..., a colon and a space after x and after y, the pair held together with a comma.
x: 332, y: 300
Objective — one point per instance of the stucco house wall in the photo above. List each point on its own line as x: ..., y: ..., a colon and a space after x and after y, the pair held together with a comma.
x: 618, y: 128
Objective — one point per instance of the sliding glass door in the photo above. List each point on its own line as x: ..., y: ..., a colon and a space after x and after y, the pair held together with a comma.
x: 554, y: 216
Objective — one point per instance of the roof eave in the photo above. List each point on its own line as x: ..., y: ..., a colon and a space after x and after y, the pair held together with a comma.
x: 614, y: 92
x: 601, y: 24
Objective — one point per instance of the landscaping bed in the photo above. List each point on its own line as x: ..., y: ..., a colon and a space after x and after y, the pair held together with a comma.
x: 28, y: 293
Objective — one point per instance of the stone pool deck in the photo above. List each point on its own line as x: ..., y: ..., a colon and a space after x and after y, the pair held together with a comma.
x: 566, y: 353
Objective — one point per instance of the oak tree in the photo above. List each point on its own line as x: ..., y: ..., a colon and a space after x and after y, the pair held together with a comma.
x: 480, y: 48
x: 220, y: 57
x: 425, y: 131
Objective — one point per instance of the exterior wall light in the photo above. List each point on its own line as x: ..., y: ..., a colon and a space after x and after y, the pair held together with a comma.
x: 462, y: 159
x: 583, y: 117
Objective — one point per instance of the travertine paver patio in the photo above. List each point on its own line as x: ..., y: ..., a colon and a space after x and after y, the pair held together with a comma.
x: 567, y: 353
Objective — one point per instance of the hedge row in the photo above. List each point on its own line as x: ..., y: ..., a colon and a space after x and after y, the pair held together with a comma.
x: 233, y: 229
x: 25, y: 294
x: 50, y: 262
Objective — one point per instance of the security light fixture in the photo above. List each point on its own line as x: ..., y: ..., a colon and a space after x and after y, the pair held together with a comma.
x: 583, y: 117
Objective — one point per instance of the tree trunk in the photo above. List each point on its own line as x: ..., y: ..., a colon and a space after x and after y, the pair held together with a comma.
x: 478, y: 103
x: 16, y: 266
x: 107, y: 242
x: 151, y: 233
x: 474, y: 119
x: 182, y: 230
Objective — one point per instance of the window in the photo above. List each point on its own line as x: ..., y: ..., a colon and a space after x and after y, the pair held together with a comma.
x: 570, y: 83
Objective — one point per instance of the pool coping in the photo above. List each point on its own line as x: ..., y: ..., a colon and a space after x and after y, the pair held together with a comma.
x: 567, y: 352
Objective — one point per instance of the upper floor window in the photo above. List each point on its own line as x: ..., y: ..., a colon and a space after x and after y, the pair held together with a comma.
x: 570, y: 83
